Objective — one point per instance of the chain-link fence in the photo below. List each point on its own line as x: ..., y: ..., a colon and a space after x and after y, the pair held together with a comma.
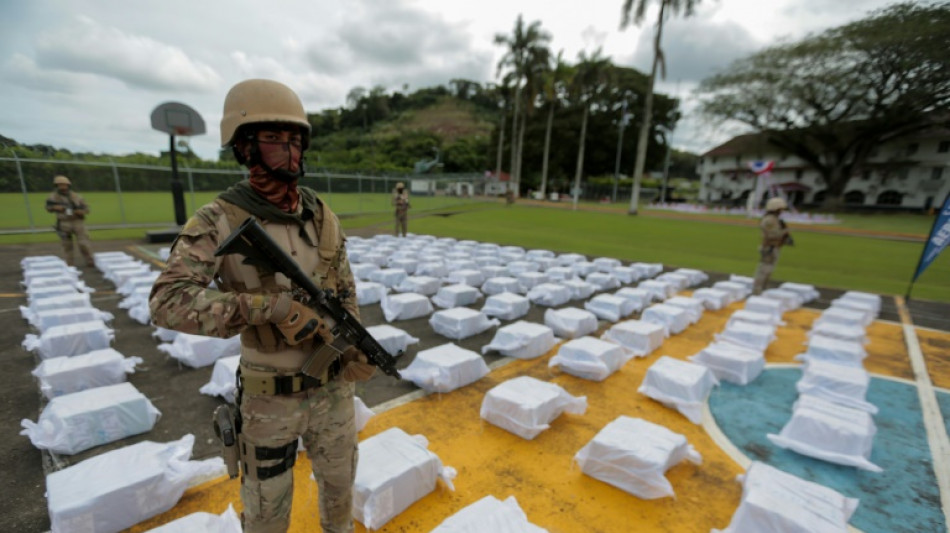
x: 124, y: 195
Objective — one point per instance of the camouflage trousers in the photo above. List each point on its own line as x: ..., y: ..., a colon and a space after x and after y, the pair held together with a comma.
x: 769, y: 257
x: 402, y: 223
x: 68, y: 229
x: 324, y: 417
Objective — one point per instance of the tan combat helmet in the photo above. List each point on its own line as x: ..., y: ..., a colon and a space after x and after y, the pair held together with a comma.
x: 257, y: 101
x: 774, y: 204
x: 61, y: 180
x: 400, y: 185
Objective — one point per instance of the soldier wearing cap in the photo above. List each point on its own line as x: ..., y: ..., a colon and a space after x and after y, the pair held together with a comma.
x: 265, y: 125
x: 775, y: 235
x: 400, y: 201
x: 71, y: 211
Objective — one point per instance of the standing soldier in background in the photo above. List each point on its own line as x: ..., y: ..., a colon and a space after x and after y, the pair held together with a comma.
x: 401, y: 202
x: 774, y: 236
x: 70, y: 211
x: 265, y: 125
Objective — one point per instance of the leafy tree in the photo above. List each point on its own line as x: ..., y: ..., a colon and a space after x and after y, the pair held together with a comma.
x: 831, y: 98
x: 591, y: 79
x: 556, y: 81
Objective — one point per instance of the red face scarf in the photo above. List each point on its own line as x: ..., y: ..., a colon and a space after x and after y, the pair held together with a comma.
x: 282, y: 194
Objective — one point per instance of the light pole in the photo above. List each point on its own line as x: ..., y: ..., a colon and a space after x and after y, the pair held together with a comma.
x: 624, y: 119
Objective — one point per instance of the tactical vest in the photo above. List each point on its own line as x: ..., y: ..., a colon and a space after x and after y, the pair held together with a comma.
x: 322, y: 263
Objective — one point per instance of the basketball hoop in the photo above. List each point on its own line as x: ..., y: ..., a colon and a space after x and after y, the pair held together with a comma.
x: 177, y: 119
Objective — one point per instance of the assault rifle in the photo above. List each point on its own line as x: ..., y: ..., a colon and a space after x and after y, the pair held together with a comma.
x: 259, y: 250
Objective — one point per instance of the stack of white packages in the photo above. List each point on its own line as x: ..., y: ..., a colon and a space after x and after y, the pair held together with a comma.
x: 791, y: 300
x: 44, y: 320
x: 489, y: 514
x: 769, y: 306
x: 393, y: 340
x: 754, y: 317
x: 648, y: 270
x: 678, y: 281
x: 226, y: 522
x: 625, y: 274
x: 223, y: 378
x: 549, y: 294
x: 370, y: 292
x: 138, y: 296
x: 529, y: 280
x: 500, y: 284
x: 559, y: 273
x: 137, y: 282
x: 606, y: 264
x: 841, y: 384
x: 570, y: 322
x: 673, y: 319
x: 866, y: 309
x: 516, y: 268
x: 580, y: 289
x: 583, y: 268
x: 461, y: 322
x: 610, y: 307
x: 445, y: 368
x: 679, y: 385
x: 64, y: 375
x: 745, y: 281
x: 470, y: 277
x: 731, y: 362
x: 737, y: 291
x: 405, y: 263
x: 713, y: 299
x: 70, y: 339
x: 634, y: 455
x: 506, y: 306
x: 636, y: 336
x: 694, y: 306
x: 37, y: 292
x: 590, y: 358
x: 395, y: 470
x: 81, y: 420
x: 806, y: 292
x: 829, y: 431
x: 822, y: 348
x: 522, y: 340
x: 640, y: 297
x: 748, y: 334
x: 695, y: 277
x: 68, y: 301
x: 362, y: 271
x: 199, y: 351
x: 872, y: 301
x: 389, y: 277
x: 456, y: 295
x: 106, y: 492
x: 526, y: 406
x: 603, y: 281
x: 836, y: 330
x: 405, y: 306
x: 425, y: 285
x: 773, y: 500
x: 660, y: 290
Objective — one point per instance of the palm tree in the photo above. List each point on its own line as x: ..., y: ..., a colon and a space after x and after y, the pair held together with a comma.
x: 556, y: 79
x: 639, y: 12
x: 527, y: 48
x: 591, y: 78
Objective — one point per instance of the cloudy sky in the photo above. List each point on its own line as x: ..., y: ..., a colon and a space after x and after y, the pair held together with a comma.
x: 86, y: 74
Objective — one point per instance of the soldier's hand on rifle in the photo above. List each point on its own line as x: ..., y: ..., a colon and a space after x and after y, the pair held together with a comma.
x: 300, y: 323
x: 356, y: 366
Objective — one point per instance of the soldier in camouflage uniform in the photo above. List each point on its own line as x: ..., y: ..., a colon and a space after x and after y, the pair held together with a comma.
x: 265, y: 124
x: 401, y: 202
x: 775, y: 235
x: 71, y: 211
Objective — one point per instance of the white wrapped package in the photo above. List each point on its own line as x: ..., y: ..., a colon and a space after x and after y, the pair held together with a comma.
x: 361, y: 413
x: 731, y: 362
x: 58, y: 317
x: 834, y: 350
x: 694, y: 276
x: 436, y: 269
x: 761, y: 304
x: 164, y: 335
x: 370, y: 292
x: 121, y: 275
x: 660, y: 290
x: 590, y: 358
x: 640, y: 297
x: 674, y: 319
x: 226, y: 522
x: 135, y: 282
x: 529, y: 280
x: 570, y: 322
x: 648, y: 270
x: 840, y: 306
x: 521, y: 267
x: 569, y: 259
x: 394, y: 471
x: 533, y: 255
x: 138, y: 296
x: 70, y: 339
x: 492, y: 271
x: 425, y: 285
x: 49, y: 291
x: 487, y: 260
x: 405, y: 306
x: 489, y: 514
x: 583, y: 268
x: 53, y: 281
x: 375, y: 258
x: 606, y: 264
x: 108, y: 492
x: 199, y: 351
x: 754, y: 336
x: 33, y: 260
x: 506, y: 306
x: 791, y: 300
x: 526, y: 406
x: 636, y: 336
x: 445, y: 368
x: 223, y: 378
x: 141, y: 314
x: 457, y: 295
x: 405, y: 263
x: 634, y: 455
x: 75, y: 422
x: 806, y: 292
x: 679, y: 385
x: 679, y: 281
x: 602, y: 281
x: 550, y: 294
x: 461, y: 322
x: 580, y: 289
x: 389, y: 277
x: 625, y: 274
x: 873, y: 299
x: 393, y: 340
x: 753, y: 317
x: 694, y: 306
x: 609, y: 307
x: 69, y: 301
x: 363, y: 271
x: 561, y: 273
x: 65, y: 375
x: 500, y: 284
x: 773, y: 500
x: 30, y: 276
x: 713, y: 299
x: 841, y: 384
x: 739, y: 291
x: 747, y: 281
x: 830, y: 432
x: 844, y: 332
x: 522, y: 340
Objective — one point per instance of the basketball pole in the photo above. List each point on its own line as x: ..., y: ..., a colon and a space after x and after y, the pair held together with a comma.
x: 178, y: 193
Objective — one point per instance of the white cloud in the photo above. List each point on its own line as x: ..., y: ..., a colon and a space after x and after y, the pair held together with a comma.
x: 23, y: 71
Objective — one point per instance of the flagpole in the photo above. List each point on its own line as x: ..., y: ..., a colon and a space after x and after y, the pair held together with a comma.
x: 922, y: 252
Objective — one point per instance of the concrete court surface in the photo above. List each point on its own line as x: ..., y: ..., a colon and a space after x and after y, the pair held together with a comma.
x: 552, y: 491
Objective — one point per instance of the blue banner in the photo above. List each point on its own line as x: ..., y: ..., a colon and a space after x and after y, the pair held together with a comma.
x: 939, y: 238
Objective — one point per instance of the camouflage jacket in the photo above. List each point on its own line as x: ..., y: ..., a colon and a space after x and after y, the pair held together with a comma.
x: 401, y: 202
x: 182, y: 300
x: 773, y: 231
x: 72, y: 201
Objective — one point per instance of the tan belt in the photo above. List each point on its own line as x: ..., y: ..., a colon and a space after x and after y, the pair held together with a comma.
x: 258, y: 382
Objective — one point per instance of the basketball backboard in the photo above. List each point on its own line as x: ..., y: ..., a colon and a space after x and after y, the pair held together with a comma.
x: 178, y: 119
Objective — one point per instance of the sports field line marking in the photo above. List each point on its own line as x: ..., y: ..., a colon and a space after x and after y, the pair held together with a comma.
x: 930, y: 409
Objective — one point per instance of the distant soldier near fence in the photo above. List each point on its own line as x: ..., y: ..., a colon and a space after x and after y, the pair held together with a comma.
x: 401, y: 202
x: 71, y: 211
x: 775, y: 235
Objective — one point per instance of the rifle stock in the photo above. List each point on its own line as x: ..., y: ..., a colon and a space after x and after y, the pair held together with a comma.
x: 258, y: 249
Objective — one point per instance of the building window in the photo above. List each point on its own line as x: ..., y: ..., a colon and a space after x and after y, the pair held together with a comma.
x: 936, y: 173
x: 799, y: 174
x: 890, y: 198
x: 943, y: 147
x: 714, y: 160
x: 912, y: 148
x: 700, y: 161
x: 854, y: 197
